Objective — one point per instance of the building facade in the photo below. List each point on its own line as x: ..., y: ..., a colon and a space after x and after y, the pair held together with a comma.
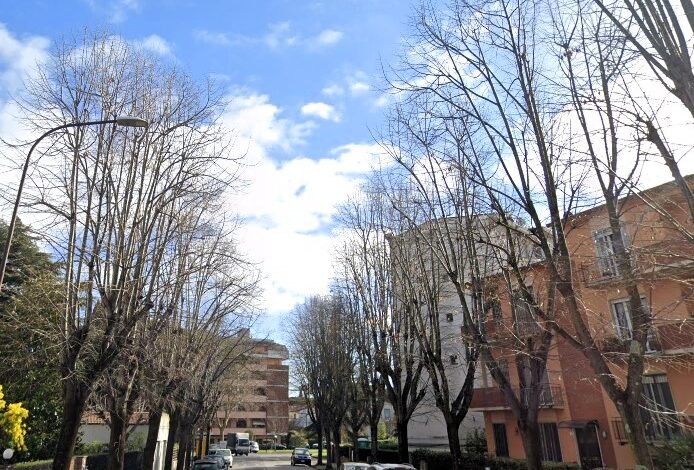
x: 578, y: 421
x: 257, y: 402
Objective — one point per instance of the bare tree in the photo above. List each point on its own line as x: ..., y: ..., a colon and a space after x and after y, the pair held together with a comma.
x: 661, y: 32
x: 323, y: 354
x: 113, y: 200
x: 387, y: 345
x: 485, y: 68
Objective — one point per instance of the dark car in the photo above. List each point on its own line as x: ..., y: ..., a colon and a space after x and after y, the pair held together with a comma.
x: 221, y: 463
x: 206, y: 464
x: 301, y: 456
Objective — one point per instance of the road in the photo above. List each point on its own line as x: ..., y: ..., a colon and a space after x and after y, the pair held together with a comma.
x: 261, y: 462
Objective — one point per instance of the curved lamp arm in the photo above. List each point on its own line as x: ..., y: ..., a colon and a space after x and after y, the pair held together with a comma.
x: 127, y: 121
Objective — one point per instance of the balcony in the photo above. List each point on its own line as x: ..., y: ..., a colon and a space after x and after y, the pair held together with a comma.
x: 658, y: 428
x: 665, y: 336
x: 672, y: 258
x: 491, y: 398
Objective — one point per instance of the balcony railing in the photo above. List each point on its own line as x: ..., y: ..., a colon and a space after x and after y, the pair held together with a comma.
x: 658, y: 427
x: 664, y: 258
x: 668, y: 336
x: 550, y: 396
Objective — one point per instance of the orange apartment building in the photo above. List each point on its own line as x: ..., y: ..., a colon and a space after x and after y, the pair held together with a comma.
x: 258, y: 402
x: 579, y: 423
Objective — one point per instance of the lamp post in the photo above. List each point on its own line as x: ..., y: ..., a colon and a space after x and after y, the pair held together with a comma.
x: 125, y: 121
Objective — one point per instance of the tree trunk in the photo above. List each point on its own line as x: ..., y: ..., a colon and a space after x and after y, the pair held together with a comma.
x: 320, y: 446
x: 75, y: 399
x: 636, y: 433
x: 336, y: 446
x: 329, y: 459
x: 181, y: 454
x: 530, y: 435
x: 403, y: 446
x: 171, y: 440
x: 116, y: 443
x: 153, y: 424
x: 183, y: 446
x: 374, y: 441
x: 454, y: 444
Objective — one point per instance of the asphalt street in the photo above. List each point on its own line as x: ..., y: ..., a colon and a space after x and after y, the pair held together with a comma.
x: 261, y: 462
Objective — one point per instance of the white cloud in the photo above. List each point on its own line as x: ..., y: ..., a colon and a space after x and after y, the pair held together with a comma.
x: 329, y: 37
x: 116, y: 10
x: 213, y: 37
x: 260, y: 128
x: 289, y: 203
x: 154, y: 43
x: 19, y: 58
x: 383, y: 100
x: 321, y: 110
x: 359, y: 88
x: 280, y: 35
x: 333, y: 90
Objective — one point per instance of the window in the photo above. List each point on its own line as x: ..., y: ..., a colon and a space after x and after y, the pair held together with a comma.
x: 260, y: 391
x: 549, y: 440
x: 449, y: 317
x: 386, y: 413
x: 495, y: 307
x: 500, y: 440
x: 621, y: 319
x: 241, y: 423
x: 661, y: 422
x: 454, y: 359
x: 604, y: 246
x: 503, y: 367
x: 524, y: 321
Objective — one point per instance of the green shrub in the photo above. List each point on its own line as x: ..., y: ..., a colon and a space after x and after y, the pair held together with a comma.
x: 92, y: 448
x: 387, y: 444
x: 475, y: 442
x: 677, y: 454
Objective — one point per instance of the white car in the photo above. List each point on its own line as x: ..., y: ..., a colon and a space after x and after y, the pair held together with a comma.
x: 255, y: 448
x: 226, y: 453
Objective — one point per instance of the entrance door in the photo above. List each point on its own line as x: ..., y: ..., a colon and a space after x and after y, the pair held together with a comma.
x: 589, y: 447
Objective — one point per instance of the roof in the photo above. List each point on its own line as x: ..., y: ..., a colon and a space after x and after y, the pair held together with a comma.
x: 661, y: 188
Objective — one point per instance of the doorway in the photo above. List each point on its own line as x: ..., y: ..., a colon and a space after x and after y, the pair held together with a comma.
x: 589, y: 446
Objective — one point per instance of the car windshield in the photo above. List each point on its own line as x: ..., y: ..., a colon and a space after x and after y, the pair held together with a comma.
x: 301, y: 451
x: 243, y: 442
x: 225, y: 452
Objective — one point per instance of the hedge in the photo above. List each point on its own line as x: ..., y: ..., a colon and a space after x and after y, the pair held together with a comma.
x: 440, y: 460
x: 133, y: 461
x: 36, y: 465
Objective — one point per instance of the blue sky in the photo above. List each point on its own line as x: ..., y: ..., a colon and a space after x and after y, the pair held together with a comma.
x: 303, y: 78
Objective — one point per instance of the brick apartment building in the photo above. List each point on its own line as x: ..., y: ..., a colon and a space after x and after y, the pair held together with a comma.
x: 578, y: 422
x: 258, y: 402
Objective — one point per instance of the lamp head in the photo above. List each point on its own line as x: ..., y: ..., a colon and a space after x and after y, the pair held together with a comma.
x: 131, y: 121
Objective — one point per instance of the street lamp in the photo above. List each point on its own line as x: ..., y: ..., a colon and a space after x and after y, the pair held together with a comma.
x: 125, y: 121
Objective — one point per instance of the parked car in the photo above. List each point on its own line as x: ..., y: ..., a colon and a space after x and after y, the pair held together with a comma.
x: 314, y: 445
x: 221, y: 463
x: 280, y: 447
x: 355, y: 466
x: 225, y: 453
x: 301, y: 455
x: 255, y: 447
x: 392, y: 466
x: 205, y: 464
